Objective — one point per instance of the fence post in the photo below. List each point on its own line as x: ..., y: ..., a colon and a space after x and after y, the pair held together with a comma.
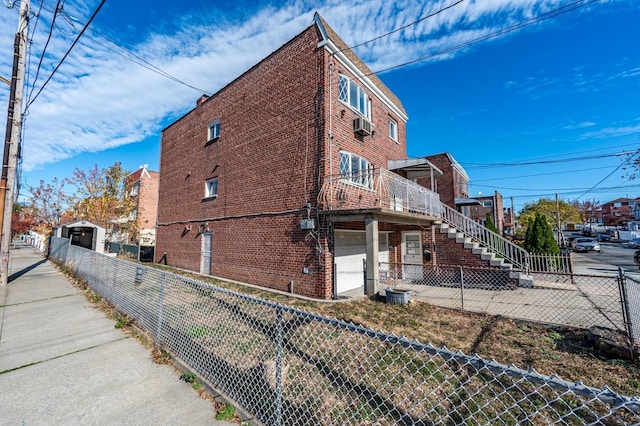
x: 279, y: 350
x: 624, y: 299
x: 461, y: 288
x: 160, y: 308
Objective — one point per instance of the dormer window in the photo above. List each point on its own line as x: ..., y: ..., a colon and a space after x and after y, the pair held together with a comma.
x: 214, y: 131
x: 353, y: 95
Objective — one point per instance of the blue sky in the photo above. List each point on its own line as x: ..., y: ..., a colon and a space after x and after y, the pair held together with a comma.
x: 550, y: 93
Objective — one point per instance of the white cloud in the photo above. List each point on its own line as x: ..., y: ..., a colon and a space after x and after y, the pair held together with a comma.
x: 582, y: 125
x: 99, y: 100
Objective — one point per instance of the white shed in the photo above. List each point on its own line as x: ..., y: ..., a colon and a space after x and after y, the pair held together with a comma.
x: 82, y: 233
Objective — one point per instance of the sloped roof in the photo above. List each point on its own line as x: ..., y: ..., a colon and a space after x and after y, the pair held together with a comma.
x: 328, y: 32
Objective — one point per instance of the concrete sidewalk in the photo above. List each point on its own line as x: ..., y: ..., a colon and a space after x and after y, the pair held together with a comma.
x: 63, y: 362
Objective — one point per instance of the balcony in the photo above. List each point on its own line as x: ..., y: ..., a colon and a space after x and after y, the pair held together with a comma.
x: 378, y: 189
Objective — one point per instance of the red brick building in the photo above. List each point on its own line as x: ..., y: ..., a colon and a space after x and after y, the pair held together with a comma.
x: 281, y: 179
x: 618, y: 211
x: 142, y: 185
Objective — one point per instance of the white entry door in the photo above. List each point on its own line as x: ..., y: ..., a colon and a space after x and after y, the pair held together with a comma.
x: 412, y: 255
x: 205, y: 262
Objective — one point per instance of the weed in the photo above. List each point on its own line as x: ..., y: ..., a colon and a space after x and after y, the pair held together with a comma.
x: 188, y: 377
x: 123, y: 322
x: 226, y: 412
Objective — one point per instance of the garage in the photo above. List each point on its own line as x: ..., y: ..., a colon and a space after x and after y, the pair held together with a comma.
x: 349, y: 256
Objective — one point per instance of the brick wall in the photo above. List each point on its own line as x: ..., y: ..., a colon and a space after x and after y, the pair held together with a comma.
x: 148, y: 200
x: 266, y: 163
x: 275, y: 126
x: 448, y: 252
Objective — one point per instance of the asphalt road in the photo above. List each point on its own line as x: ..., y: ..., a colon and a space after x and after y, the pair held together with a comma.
x: 615, y: 254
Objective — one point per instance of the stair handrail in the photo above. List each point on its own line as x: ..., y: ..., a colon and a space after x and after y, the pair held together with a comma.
x: 488, y: 239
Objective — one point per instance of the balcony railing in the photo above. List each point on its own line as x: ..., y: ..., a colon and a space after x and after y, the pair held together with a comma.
x: 378, y: 188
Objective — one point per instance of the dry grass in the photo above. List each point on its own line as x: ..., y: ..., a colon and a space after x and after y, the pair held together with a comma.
x: 549, y: 350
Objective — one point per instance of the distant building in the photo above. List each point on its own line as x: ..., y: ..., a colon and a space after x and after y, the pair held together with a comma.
x: 142, y: 185
x: 618, y: 211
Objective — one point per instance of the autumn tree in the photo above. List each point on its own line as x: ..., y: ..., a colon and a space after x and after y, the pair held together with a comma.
x: 549, y: 209
x: 22, y: 219
x: 46, y: 204
x: 101, y: 198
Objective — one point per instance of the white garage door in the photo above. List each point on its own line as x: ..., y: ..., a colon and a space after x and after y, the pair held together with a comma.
x: 350, y: 254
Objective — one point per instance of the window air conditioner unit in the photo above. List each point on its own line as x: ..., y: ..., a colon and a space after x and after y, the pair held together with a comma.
x: 362, y: 125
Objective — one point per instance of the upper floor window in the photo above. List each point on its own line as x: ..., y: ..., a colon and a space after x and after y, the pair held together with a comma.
x: 487, y: 203
x: 617, y: 205
x: 213, y: 130
x: 355, y: 169
x: 135, y: 189
x: 393, y: 129
x: 211, y: 188
x: 351, y: 94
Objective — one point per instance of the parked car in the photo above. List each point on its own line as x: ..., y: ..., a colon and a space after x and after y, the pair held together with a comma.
x: 635, y: 243
x: 603, y: 237
x: 636, y: 258
x: 586, y: 244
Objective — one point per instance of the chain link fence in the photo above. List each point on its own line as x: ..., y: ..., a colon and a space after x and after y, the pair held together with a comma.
x: 630, y: 292
x: 565, y: 299
x: 286, y: 366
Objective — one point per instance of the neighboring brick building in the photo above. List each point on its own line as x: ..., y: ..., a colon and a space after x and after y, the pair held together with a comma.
x: 280, y: 178
x: 618, y: 211
x: 452, y: 181
x: 142, y: 185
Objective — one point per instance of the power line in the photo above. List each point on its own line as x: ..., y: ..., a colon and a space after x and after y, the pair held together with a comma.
x: 140, y: 60
x: 474, y: 182
x: 531, y: 21
x: 67, y: 54
x: 530, y: 163
x: 44, y: 50
x: 404, y: 26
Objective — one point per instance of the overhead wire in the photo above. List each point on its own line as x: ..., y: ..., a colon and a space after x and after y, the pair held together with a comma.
x: 44, y: 49
x: 404, y: 26
x: 569, y: 7
x: 67, y: 53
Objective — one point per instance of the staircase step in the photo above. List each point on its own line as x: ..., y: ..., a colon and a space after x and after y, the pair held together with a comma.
x: 468, y: 244
x: 478, y: 250
x: 487, y: 256
x: 496, y: 262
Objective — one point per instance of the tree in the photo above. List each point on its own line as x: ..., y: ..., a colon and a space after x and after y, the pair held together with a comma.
x: 569, y: 212
x: 22, y: 219
x: 46, y: 205
x: 539, y: 237
x: 101, y: 198
x: 490, y: 224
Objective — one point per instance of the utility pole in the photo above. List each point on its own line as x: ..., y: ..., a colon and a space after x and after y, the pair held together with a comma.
x: 12, y: 139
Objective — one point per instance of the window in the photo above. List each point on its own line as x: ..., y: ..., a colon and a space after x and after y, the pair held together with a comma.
x: 355, y: 169
x: 487, y: 203
x: 351, y: 94
x: 214, y: 130
x: 135, y: 189
x: 617, y: 205
x: 393, y: 129
x: 211, y: 188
